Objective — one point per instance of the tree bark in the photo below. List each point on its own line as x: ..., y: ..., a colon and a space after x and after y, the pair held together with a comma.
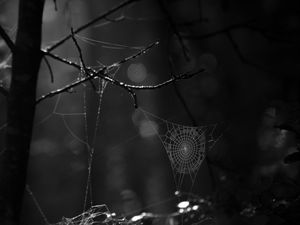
x: 20, y: 111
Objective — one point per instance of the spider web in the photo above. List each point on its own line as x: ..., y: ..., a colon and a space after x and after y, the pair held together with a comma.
x: 90, y: 212
x: 185, y: 146
x: 95, y: 215
x: 106, y: 44
x: 89, y: 141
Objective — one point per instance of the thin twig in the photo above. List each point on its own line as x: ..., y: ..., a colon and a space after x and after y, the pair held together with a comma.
x: 236, y: 47
x: 63, y: 60
x: 128, y: 87
x: 180, y: 97
x: 49, y: 68
x: 174, y: 29
x: 192, y: 22
x: 78, y: 49
x: 141, y: 52
x: 84, y: 68
x: 55, y: 5
x: 240, y: 54
x: 267, y: 34
x: 11, y: 46
x: 102, y: 73
x: 7, y: 39
x: 101, y: 17
x: 217, y: 32
x: 227, y: 31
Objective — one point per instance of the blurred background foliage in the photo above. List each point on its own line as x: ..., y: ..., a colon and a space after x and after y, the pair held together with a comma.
x: 251, y: 82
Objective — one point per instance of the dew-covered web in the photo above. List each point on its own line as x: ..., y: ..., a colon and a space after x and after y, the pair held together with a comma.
x: 91, y: 212
x: 185, y: 146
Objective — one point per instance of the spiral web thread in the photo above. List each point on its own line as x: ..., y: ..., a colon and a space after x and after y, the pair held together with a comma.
x: 185, y: 146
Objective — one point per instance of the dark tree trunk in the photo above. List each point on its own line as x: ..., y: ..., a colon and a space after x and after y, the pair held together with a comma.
x: 20, y: 112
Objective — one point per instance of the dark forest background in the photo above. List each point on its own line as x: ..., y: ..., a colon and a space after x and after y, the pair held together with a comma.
x: 250, y: 50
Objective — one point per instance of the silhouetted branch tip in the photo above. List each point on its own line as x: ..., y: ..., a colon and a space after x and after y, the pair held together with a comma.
x: 7, y: 39
x: 82, y: 63
x: 175, y: 30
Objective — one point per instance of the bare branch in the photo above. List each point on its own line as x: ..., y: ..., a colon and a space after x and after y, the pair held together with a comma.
x: 128, y: 87
x: 11, y: 45
x: 193, y: 22
x: 236, y: 47
x: 217, y: 32
x: 78, y: 48
x: 227, y: 31
x: 63, y: 60
x: 49, y: 68
x: 84, y: 68
x: 55, y: 5
x: 241, y: 56
x: 102, y: 73
x: 180, y: 97
x: 7, y: 39
x: 141, y: 52
x: 267, y: 34
x: 134, y: 97
x: 101, y: 17
x: 174, y: 29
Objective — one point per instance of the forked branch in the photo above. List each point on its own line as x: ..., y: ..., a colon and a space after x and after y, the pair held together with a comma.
x: 103, y: 73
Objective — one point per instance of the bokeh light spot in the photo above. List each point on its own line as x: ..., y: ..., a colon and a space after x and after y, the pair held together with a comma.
x: 137, y: 117
x: 137, y: 72
x: 148, y: 128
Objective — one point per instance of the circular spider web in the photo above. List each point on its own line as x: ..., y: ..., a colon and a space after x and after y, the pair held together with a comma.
x: 186, y: 148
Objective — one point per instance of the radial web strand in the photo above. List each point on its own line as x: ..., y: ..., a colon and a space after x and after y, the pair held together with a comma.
x: 185, y: 146
x: 90, y: 212
x: 106, y: 44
